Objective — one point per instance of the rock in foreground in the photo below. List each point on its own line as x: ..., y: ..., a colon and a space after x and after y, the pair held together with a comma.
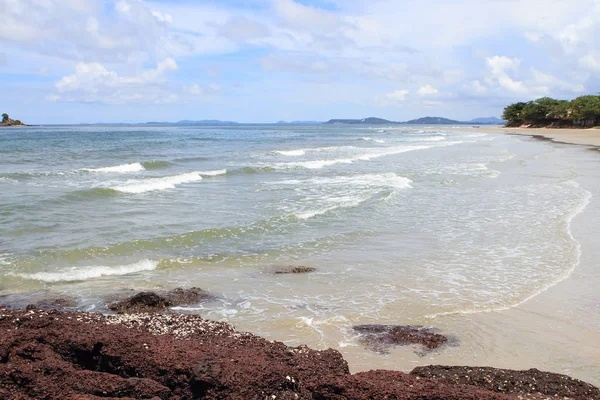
x: 380, y: 338
x: 67, y: 355
x: 148, y: 302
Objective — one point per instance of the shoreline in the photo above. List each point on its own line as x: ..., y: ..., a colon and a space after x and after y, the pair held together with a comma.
x: 584, y: 137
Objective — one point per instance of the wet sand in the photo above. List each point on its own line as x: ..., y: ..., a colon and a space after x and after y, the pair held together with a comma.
x: 557, y: 330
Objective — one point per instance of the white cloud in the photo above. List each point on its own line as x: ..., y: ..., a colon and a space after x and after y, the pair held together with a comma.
x: 550, y: 82
x: 475, y: 87
x: 397, y: 96
x: 591, y: 61
x: 243, y: 29
x: 93, y: 82
x: 427, y: 90
x: 82, y: 30
x: 498, y: 67
x: 506, y: 78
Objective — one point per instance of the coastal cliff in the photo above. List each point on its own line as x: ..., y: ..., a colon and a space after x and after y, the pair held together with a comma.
x: 77, y: 355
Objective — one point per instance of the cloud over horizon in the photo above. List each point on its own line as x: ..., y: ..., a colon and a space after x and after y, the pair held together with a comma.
x: 285, y: 59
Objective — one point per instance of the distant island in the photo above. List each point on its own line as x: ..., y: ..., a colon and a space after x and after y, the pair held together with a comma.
x: 342, y: 121
x: 7, y: 121
x: 419, y: 121
x: 546, y: 112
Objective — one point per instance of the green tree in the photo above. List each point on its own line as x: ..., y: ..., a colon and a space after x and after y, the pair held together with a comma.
x: 561, y: 111
x: 513, y: 114
x: 586, y: 108
x: 539, y: 111
x: 5, y: 117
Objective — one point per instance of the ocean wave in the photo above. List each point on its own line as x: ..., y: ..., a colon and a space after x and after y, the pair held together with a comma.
x: 216, y: 172
x: 372, y: 154
x: 152, y: 165
x: 301, y: 152
x: 118, y: 169
x: 425, y: 139
x: 323, y: 195
x: 292, y: 153
x: 155, y: 184
x: 370, y: 139
x: 91, y: 272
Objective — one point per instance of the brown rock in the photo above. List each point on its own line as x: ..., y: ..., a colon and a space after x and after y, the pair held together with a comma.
x: 66, y: 355
x: 380, y: 338
x: 531, y: 381
x: 151, y: 302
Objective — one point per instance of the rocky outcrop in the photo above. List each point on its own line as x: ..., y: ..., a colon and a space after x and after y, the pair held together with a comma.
x: 380, y: 338
x: 151, y: 302
x: 7, y: 121
x: 68, y: 355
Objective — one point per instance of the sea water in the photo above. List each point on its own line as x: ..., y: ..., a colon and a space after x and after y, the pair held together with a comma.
x: 403, y: 224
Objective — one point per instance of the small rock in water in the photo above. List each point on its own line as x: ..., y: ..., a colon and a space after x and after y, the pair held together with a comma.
x: 380, y: 338
x: 292, y: 269
x: 152, y: 302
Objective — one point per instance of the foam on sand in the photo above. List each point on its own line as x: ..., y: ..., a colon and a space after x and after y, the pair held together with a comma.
x: 118, y: 169
x: 91, y: 272
x: 154, y: 184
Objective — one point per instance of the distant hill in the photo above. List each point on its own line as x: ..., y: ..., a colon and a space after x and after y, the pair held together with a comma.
x: 488, y: 121
x: 433, y: 121
x: 370, y: 121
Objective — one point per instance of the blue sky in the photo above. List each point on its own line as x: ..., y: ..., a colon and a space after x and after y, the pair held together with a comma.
x: 72, y: 61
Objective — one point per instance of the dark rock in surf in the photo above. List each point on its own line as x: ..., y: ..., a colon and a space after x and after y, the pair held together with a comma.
x: 292, y: 269
x: 380, y: 338
x: 152, y: 302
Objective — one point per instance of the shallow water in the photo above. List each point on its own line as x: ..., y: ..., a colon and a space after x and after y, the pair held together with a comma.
x: 403, y: 225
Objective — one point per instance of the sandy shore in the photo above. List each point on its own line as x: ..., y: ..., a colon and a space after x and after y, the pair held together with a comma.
x: 587, y: 137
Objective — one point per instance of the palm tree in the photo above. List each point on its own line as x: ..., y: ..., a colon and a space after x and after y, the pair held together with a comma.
x: 5, y: 117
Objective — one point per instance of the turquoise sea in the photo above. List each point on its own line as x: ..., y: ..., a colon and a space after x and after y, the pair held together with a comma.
x: 403, y: 224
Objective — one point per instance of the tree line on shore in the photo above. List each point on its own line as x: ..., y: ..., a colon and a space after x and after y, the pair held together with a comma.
x: 584, y: 111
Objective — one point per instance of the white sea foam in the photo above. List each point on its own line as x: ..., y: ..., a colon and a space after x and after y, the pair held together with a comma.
x: 213, y: 173
x: 118, y: 169
x: 326, y: 194
x: 587, y: 196
x: 154, y: 184
x: 293, y: 153
x: 302, y: 152
x: 91, y: 272
x: 425, y: 139
x: 370, y: 139
x: 372, y: 153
